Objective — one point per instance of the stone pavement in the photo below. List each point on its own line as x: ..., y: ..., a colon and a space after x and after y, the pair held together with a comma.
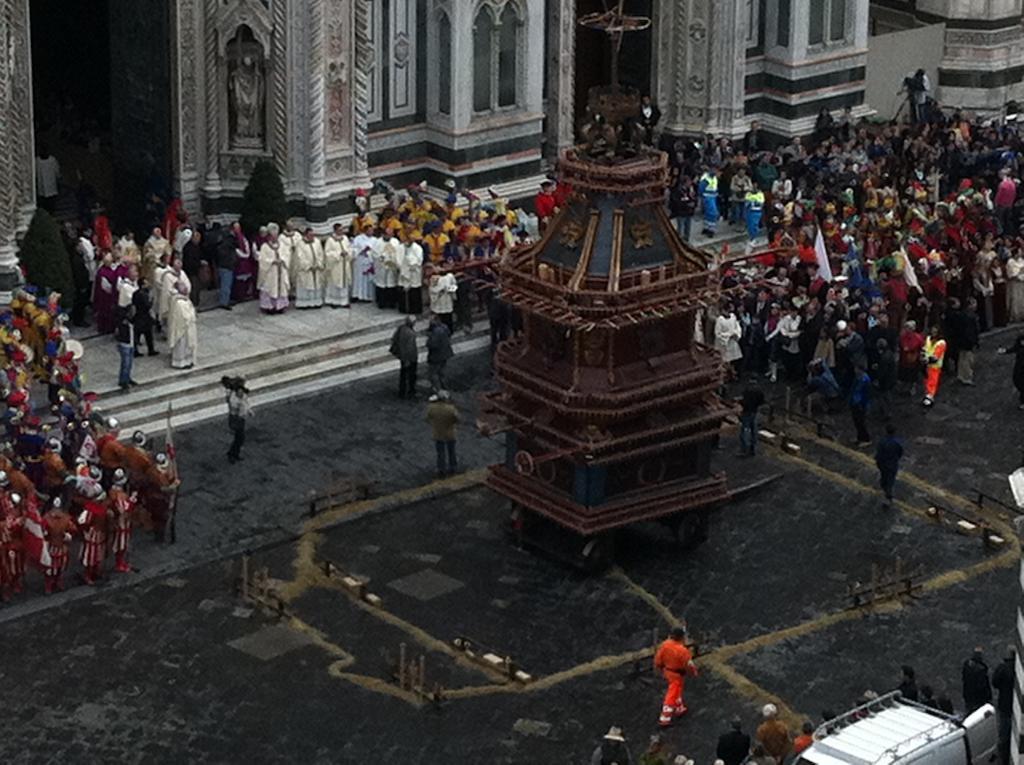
x: 178, y: 669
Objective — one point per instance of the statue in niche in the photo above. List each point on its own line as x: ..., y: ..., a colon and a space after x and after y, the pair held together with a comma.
x: 246, y: 90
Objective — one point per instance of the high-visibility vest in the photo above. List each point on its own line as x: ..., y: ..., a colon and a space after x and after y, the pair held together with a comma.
x: 756, y: 200
x: 934, y: 349
x: 710, y: 183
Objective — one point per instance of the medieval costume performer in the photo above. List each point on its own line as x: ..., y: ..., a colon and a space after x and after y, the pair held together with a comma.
x: 122, y: 508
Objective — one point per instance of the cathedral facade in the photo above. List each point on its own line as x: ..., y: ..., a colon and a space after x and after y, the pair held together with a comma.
x: 337, y: 93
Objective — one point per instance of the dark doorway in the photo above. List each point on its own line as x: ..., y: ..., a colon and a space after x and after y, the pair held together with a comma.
x: 102, y: 94
x: 71, y: 95
x: 593, y: 52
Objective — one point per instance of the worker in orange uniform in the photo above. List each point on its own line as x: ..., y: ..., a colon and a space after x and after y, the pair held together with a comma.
x: 675, y: 661
x: 934, y: 351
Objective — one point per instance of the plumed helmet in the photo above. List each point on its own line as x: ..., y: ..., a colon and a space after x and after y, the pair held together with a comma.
x: 120, y: 477
x: 53, y: 444
x: 95, y: 473
x: 4, y: 480
x: 161, y: 459
x: 139, y: 438
x: 112, y: 423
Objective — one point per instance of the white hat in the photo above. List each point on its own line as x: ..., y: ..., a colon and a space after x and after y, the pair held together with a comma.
x: 614, y: 734
x: 769, y: 710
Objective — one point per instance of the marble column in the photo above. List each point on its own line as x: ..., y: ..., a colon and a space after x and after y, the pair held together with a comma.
x: 561, y: 56
x: 17, y: 184
x: 189, y: 108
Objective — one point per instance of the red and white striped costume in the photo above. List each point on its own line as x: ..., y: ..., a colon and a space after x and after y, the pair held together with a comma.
x: 123, y: 507
x: 93, y: 522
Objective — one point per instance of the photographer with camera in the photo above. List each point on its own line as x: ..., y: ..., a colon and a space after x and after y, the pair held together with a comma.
x: 239, y: 410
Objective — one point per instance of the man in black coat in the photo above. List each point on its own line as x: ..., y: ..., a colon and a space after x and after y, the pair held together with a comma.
x: 142, y: 300
x: 970, y: 335
x: 439, y: 350
x: 977, y: 690
x: 403, y: 348
x: 1002, y: 681
x: 733, y: 745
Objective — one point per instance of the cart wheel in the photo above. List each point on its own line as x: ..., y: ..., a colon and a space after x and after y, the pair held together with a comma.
x: 598, y: 553
x: 692, y: 529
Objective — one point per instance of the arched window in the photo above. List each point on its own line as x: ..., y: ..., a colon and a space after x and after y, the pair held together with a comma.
x: 496, y: 63
x: 483, y: 44
x: 508, y: 42
x: 444, y: 64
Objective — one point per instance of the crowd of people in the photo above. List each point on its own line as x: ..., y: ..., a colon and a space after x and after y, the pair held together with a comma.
x: 413, y: 245
x: 884, y: 253
x: 65, y: 477
x: 774, y: 742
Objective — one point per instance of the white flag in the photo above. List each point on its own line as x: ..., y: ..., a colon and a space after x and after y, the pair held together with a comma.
x: 909, y: 274
x: 821, y: 255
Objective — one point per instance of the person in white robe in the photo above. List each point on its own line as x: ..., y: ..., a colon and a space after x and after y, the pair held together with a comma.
x: 1015, y: 285
x: 273, y: 273
x: 363, y: 248
x: 290, y: 240
x: 87, y: 250
x: 385, y: 272
x: 338, y: 268
x: 182, y: 334
x: 308, y: 257
x: 443, y: 287
x: 727, y: 337
x: 410, y: 279
x: 155, y: 247
x: 160, y: 292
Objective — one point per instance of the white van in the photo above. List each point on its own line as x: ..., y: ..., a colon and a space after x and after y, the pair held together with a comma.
x: 893, y: 731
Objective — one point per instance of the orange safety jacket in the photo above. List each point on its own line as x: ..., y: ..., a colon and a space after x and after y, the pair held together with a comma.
x: 673, y: 656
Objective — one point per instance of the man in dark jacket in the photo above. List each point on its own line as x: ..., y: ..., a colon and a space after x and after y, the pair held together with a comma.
x: 753, y: 399
x: 969, y: 336
x: 226, y: 259
x: 142, y: 301
x: 1002, y: 681
x: 887, y: 459
x: 977, y: 690
x: 733, y: 745
x: 884, y: 376
x: 403, y: 348
x: 191, y: 264
x: 439, y: 350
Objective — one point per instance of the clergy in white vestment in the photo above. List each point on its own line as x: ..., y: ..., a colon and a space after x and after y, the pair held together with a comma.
x: 337, y: 268
x: 410, y: 279
x: 159, y: 292
x: 442, y: 297
x: 273, y: 273
x: 385, y: 272
x: 167, y: 288
x: 154, y: 248
x: 182, y: 335
x: 363, y: 248
x: 308, y: 257
x: 289, y: 242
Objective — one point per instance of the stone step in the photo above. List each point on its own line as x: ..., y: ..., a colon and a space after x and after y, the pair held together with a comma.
x: 289, y: 355
x: 251, y: 368
x: 208, y: 403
